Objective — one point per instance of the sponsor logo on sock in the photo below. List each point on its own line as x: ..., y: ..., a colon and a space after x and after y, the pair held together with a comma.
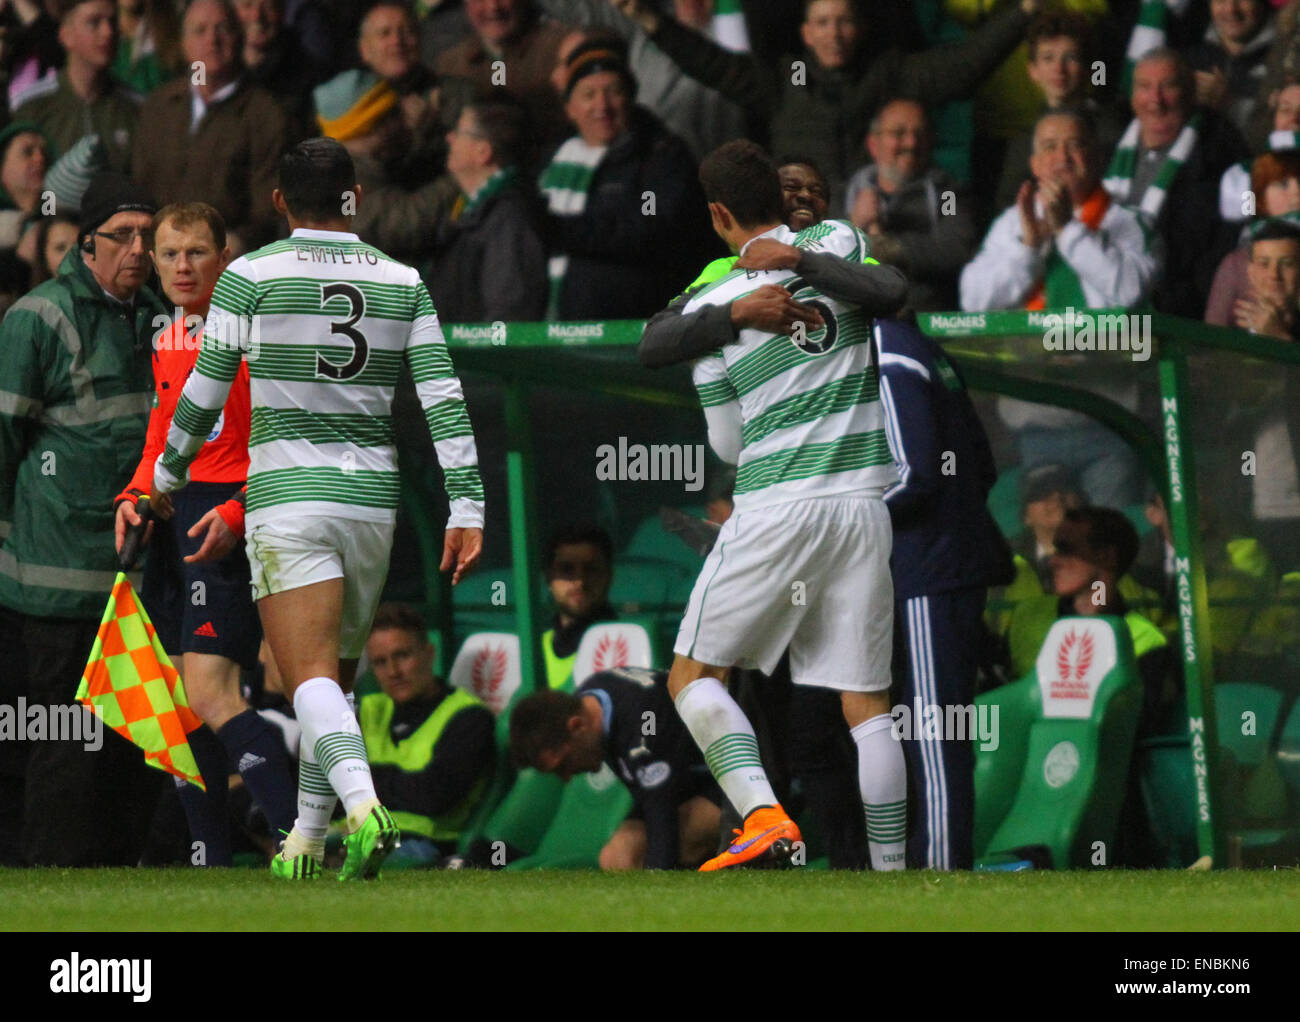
x: 73, y: 975
x: 249, y: 760
x: 206, y: 630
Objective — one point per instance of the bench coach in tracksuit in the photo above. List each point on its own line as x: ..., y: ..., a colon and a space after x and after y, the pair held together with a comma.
x: 947, y: 552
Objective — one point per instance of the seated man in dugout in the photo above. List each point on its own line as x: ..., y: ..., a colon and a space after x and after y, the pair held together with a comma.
x: 431, y: 747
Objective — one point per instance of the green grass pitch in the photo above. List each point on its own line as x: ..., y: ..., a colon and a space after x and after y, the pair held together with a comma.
x: 186, y: 900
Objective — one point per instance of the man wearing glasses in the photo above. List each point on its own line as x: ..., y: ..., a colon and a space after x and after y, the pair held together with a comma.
x: 75, y: 391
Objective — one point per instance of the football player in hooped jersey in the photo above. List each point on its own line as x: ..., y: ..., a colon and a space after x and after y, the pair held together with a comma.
x: 803, y: 561
x: 625, y: 718
x: 327, y: 322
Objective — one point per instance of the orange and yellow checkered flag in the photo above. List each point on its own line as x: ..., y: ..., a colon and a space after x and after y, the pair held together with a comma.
x: 130, y: 683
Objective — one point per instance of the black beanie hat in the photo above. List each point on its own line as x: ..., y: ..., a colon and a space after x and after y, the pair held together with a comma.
x: 594, y: 56
x: 111, y: 193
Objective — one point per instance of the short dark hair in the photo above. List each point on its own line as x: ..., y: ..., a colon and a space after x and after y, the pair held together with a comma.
x: 740, y: 175
x: 62, y: 8
x: 401, y: 617
x: 1108, y: 529
x: 186, y: 214
x: 1044, y: 481
x: 578, y: 532
x: 503, y: 121
x: 853, y: 9
x: 1275, y: 229
x: 539, y: 723
x: 801, y: 160
x: 314, y: 174
x: 1054, y: 25
x: 401, y: 5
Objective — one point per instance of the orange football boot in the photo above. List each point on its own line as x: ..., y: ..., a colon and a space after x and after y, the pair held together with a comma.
x: 768, y: 833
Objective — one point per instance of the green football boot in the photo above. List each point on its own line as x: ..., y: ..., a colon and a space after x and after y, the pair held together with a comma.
x: 301, y: 867
x: 369, y: 845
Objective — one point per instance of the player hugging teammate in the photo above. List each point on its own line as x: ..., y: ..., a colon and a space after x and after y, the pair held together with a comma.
x: 799, y: 415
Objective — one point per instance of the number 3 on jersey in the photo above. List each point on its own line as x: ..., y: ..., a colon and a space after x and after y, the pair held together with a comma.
x: 361, y: 348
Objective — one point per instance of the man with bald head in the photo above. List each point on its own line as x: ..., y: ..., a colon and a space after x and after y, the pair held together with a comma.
x: 195, y: 131
x: 913, y: 212
x: 511, y: 49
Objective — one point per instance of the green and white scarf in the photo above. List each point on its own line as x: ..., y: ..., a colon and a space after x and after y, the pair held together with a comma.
x: 728, y: 28
x: 565, y: 183
x: 1149, y: 33
x: 498, y: 182
x: 1119, y: 175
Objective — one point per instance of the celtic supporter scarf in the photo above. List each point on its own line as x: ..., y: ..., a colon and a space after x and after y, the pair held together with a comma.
x: 1119, y: 175
x: 565, y: 183
x: 1149, y: 33
x: 728, y: 26
x: 489, y: 189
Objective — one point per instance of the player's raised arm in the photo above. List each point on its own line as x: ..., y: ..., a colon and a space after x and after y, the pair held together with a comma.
x: 443, y: 402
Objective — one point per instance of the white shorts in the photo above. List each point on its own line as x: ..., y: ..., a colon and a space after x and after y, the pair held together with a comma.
x: 296, y: 552
x: 811, y: 576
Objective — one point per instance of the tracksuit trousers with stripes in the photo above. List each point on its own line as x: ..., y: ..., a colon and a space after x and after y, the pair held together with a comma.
x: 937, y: 640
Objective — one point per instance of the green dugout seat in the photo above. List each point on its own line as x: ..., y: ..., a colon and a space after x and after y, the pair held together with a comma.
x: 1247, y: 715
x: 652, y: 542
x: 997, y: 771
x: 590, y: 809
x: 1076, y: 751
x: 1288, y: 753
x: 612, y: 644
x: 520, y: 805
x: 591, y: 806
x: 488, y: 664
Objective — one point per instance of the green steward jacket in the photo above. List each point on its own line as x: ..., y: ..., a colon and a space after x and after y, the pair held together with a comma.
x: 76, y: 385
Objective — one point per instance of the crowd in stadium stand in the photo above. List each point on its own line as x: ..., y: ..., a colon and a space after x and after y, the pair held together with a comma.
x: 607, y: 101
x: 536, y: 159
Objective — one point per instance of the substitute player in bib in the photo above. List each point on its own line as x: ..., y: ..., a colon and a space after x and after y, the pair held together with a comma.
x: 196, y: 583
x: 326, y: 323
x: 803, y: 561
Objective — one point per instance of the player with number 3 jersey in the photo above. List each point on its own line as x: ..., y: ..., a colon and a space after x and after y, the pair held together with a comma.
x: 325, y: 323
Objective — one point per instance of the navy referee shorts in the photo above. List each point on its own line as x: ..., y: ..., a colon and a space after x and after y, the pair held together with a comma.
x: 200, y: 608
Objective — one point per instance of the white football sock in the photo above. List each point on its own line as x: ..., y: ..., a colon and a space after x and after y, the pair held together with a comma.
x: 725, y: 736
x: 331, y: 732
x: 316, y: 802
x: 882, y: 779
